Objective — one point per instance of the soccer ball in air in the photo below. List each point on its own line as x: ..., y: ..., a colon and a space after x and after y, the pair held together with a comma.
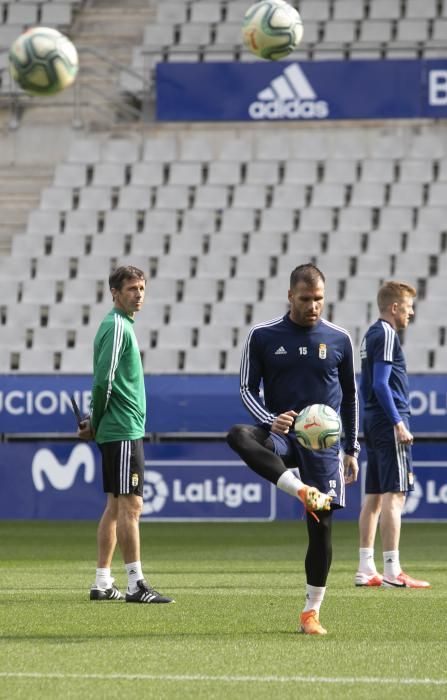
x: 272, y: 29
x: 43, y: 61
x: 317, y: 427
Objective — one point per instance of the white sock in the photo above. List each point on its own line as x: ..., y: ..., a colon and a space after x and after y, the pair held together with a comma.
x: 104, y: 578
x: 314, y: 597
x: 289, y: 483
x: 391, y: 564
x: 366, y: 561
x: 134, y: 574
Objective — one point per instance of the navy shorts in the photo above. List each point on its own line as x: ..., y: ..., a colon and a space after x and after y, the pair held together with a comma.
x: 320, y: 468
x: 389, y: 465
x: 123, y: 467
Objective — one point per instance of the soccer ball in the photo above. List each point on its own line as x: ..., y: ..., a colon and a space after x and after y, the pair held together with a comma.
x: 317, y: 427
x: 272, y: 29
x: 43, y: 61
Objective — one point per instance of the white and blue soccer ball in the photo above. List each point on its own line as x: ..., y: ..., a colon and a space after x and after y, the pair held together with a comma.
x: 317, y: 427
x: 43, y: 61
x: 272, y: 29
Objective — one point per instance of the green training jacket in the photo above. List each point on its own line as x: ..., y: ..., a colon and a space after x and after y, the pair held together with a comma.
x: 118, y: 406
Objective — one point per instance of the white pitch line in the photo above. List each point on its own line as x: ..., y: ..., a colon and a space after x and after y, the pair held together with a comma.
x: 226, y: 679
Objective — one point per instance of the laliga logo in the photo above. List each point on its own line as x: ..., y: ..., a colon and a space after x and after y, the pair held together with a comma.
x: 413, y: 499
x: 155, y: 492
x: 232, y: 495
x: 62, y: 476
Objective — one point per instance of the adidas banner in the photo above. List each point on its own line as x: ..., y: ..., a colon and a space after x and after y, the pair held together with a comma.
x: 301, y: 91
x: 189, y: 481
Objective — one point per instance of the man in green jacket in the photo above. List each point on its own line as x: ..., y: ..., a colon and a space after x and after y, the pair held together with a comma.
x: 117, y: 423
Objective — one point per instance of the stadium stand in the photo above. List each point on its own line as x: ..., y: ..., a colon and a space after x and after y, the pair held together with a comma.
x: 219, y: 215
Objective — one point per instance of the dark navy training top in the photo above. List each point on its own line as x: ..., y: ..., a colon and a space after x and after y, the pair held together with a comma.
x: 381, y: 345
x: 299, y: 366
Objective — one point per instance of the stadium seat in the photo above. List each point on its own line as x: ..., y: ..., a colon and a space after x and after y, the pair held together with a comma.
x: 147, y: 174
x: 377, y: 171
x: 120, y: 221
x: 95, y: 198
x: 192, y: 243
x: 224, y: 173
x: 237, y: 220
x: 276, y: 220
x: 257, y: 264
x: 78, y: 360
x: 259, y: 172
x: 36, y: 361
x: 421, y: 9
x: 262, y: 242
x: 85, y: 291
x: 218, y: 266
x: 204, y: 360
x: 177, y: 266
x: 70, y: 175
x: 114, y: 243
x: 328, y: 195
x: 161, y: 361
x: 367, y: 194
x: 56, y: 14
x: 162, y: 289
x: 174, y: 336
x: 230, y: 312
x: 289, y: 196
x: 244, y: 289
x: 249, y: 196
x: 150, y: 244
x: 188, y: 313
x: 161, y: 148
x: 185, y: 173
x: 267, y: 310
x: 172, y: 197
x: 404, y: 194
x: 383, y: 9
x: 200, y: 289
x: 340, y: 171
x: 54, y: 267
x: 81, y: 222
x: 48, y: 221
x: 235, y: 241
x: 199, y: 221
x: 318, y: 10
x: 160, y: 220
x: 213, y: 336
x: 24, y: 247
x: 348, y: 9
x: 47, y: 337
x: 211, y: 197
x: 122, y: 151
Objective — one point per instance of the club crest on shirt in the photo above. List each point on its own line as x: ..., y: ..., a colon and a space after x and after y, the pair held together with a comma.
x: 322, y: 351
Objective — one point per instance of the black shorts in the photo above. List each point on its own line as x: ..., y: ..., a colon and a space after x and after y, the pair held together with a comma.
x: 123, y: 467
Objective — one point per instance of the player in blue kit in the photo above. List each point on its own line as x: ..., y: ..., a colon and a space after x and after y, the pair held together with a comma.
x: 388, y: 439
x: 301, y: 359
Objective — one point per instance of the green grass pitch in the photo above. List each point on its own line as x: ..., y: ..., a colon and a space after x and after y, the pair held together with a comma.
x: 232, y: 632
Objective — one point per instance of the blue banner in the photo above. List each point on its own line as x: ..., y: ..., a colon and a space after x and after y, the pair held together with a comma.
x: 175, y: 403
x: 183, y: 481
x: 301, y: 91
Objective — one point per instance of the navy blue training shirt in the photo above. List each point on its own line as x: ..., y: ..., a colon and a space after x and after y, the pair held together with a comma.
x: 299, y: 366
x: 381, y: 345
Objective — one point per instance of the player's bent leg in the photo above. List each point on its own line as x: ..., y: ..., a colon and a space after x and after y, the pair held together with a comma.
x: 254, y: 445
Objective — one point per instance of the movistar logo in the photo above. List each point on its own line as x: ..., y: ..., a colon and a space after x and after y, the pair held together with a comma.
x: 62, y: 476
x: 289, y: 96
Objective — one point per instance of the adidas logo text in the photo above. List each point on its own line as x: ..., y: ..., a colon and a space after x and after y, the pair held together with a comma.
x: 290, y: 96
x: 281, y: 351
